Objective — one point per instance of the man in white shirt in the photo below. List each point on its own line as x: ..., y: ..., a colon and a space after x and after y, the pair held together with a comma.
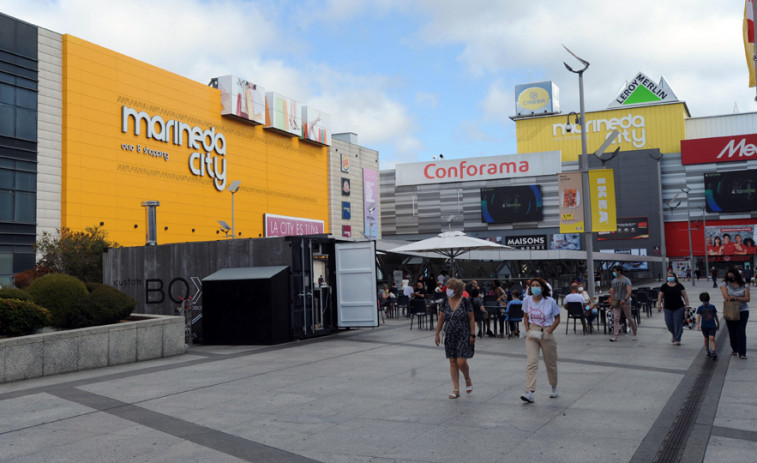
x: 408, y: 291
x: 575, y: 296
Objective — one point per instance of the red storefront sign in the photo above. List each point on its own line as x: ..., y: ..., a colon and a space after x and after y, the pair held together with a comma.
x: 719, y: 149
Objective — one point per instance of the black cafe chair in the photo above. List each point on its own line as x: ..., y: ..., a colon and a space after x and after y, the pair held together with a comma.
x: 575, y: 312
x: 417, y: 310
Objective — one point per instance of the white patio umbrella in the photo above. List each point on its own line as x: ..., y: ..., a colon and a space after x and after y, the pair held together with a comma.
x: 449, y: 244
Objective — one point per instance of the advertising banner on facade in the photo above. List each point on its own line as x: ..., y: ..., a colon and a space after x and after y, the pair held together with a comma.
x: 280, y: 225
x: 629, y: 228
x: 316, y: 125
x: 719, y: 149
x: 602, y: 191
x: 571, y: 210
x: 537, y: 98
x: 731, y: 191
x: 511, y: 204
x: 242, y: 99
x: 730, y: 242
x: 627, y: 265
x: 283, y: 114
x: 370, y: 202
x: 486, y: 168
x: 533, y: 242
x: 569, y: 241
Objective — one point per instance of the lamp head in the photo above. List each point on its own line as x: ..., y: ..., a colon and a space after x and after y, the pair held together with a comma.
x: 234, y: 187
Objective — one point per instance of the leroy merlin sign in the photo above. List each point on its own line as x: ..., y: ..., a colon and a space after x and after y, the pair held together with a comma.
x: 643, y: 90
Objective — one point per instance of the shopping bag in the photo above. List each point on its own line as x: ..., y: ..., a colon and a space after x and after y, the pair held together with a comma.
x: 731, y: 311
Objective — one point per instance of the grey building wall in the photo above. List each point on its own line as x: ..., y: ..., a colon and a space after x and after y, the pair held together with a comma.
x: 49, y: 132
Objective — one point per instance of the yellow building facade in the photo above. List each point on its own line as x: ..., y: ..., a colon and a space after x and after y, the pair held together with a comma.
x: 133, y: 132
x: 640, y: 127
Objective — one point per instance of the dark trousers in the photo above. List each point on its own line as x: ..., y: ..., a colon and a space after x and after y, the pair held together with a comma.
x: 737, y: 333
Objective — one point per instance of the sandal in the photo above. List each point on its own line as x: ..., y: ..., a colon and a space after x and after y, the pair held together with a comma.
x: 468, y: 386
x: 455, y: 394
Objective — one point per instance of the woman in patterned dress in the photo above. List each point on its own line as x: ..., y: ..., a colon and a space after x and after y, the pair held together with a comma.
x: 459, y: 334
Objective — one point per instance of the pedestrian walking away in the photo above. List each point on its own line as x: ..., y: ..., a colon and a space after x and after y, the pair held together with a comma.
x: 673, y: 298
x: 541, y: 317
x: 708, y: 324
x: 620, y: 297
x: 459, y: 334
x: 734, y: 289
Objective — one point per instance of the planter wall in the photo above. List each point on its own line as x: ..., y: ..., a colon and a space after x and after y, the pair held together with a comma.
x: 149, y: 337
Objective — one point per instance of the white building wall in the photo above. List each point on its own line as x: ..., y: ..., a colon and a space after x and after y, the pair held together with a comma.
x: 721, y: 126
x: 49, y: 131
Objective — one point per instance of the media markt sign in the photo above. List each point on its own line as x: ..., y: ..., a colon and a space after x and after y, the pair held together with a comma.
x: 643, y: 90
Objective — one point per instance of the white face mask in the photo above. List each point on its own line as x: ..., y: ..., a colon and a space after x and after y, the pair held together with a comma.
x: 580, y: 289
x: 450, y: 293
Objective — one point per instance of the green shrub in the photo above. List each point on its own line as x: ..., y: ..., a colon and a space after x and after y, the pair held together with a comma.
x: 15, y: 293
x: 105, y: 305
x: 62, y: 295
x: 19, y: 318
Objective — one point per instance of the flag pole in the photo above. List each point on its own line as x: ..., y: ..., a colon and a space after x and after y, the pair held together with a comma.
x: 754, y: 50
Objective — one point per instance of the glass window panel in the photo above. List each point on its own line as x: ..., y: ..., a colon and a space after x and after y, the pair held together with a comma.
x: 26, y: 207
x: 7, y: 94
x: 26, y: 125
x: 7, y: 120
x: 6, y: 263
x: 25, y: 166
x: 26, y: 98
x: 26, y: 181
x: 6, y: 179
x: 6, y: 206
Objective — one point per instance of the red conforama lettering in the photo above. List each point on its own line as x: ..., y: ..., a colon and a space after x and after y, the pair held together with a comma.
x: 463, y: 170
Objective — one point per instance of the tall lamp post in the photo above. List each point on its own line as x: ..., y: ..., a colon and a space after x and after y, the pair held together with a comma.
x: 686, y: 190
x: 584, y: 166
x: 706, y: 257
x: 233, y: 188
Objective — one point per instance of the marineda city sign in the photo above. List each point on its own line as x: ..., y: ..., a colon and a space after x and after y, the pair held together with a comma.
x: 206, y: 142
x: 485, y: 168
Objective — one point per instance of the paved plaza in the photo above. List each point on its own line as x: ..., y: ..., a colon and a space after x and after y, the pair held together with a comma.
x: 380, y: 395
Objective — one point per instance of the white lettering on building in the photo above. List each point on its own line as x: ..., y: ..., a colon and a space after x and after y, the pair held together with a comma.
x: 632, y: 129
x: 744, y: 149
x: 206, y: 142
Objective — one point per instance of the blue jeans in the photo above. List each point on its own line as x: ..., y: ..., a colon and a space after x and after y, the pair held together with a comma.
x: 674, y: 322
x: 737, y: 333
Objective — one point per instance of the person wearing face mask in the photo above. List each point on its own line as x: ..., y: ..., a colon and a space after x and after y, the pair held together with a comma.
x: 590, y: 309
x: 541, y: 317
x: 620, y: 301
x: 676, y: 300
x: 735, y: 289
x: 459, y: 334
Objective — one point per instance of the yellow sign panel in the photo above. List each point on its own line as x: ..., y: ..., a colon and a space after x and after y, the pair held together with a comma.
x: 602, y: 191
x: 646, y: 127
x: 533, y: 98
x: 133, y: 132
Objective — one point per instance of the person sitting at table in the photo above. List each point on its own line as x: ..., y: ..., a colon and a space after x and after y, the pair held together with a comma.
x: 384, y: 298
x: 516, y: 301
x: 420, y: 291
x: 590, y: 309
x: 575, y: 296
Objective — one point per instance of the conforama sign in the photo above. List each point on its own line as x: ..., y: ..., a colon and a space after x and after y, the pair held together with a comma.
x: 472, y: 169
x: 719, y: 149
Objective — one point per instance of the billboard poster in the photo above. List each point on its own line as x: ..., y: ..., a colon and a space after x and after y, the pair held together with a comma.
x: 370, y: 202
x: 602, y: 191
x: 346, y: 210
x: 281, y: 225
x: 316, y: 125
x: 347, y: 231
x: 283, y: 114
x: 511, y: 204
x: 532, y: 242
x: 568, y: 241
x: 627, y: 265
x: 730, y: 242
x: 571, y: 210
x: 242, y: 99
x: 629, y: 228
x: 731, y: 191
x: 345, y: 186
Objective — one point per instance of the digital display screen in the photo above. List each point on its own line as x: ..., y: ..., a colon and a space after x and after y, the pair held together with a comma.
x: 731, y: 191
x: 510, y: 204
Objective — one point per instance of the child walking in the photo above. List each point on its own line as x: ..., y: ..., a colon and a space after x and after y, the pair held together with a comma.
x: 708, y: 324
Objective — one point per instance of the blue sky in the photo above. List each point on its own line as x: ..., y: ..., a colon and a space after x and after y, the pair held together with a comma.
x: 415, y: 78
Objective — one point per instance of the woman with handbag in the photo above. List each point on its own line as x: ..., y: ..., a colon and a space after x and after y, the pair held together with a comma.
x: 459, y: 334
x: 675, y: 299
x: 541, y: 317
x: 735, y: 290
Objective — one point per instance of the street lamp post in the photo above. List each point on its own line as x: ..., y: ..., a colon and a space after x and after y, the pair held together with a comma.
x: 704, y: 235
x: 686, y: 190
x: 584, y: 166
x: 233, y: 188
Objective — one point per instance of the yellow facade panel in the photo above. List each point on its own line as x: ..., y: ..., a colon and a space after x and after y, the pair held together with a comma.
x: 108, y: 172
x: 655, y: 126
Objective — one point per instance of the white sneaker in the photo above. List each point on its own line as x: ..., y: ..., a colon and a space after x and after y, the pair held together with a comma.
x: 554, y: 394
x: 528, y: 396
